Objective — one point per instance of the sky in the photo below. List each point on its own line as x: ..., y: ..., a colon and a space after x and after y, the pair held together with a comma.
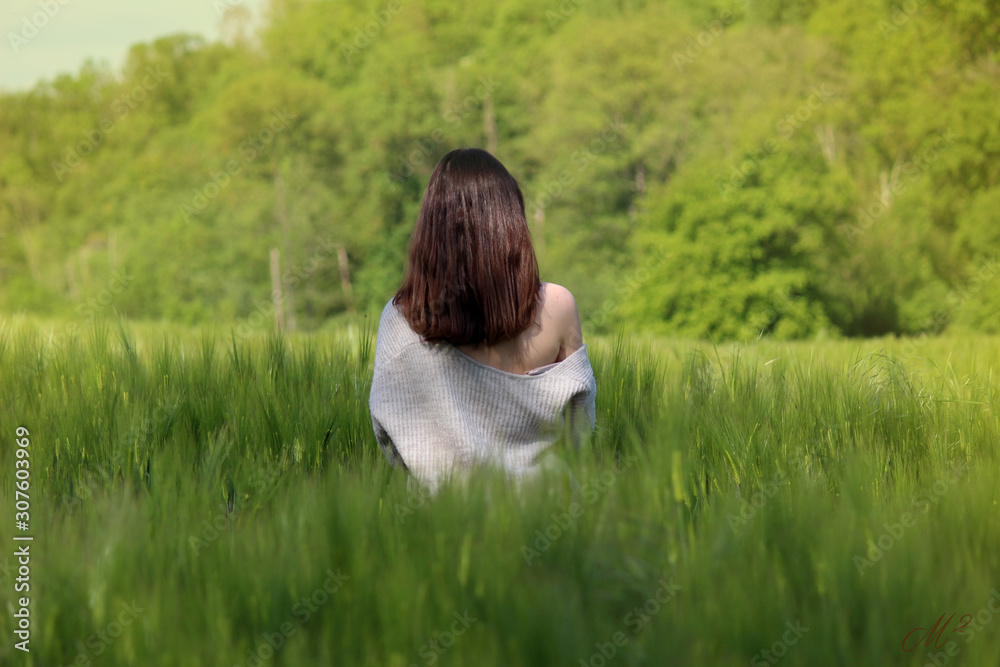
x: 44, y: 38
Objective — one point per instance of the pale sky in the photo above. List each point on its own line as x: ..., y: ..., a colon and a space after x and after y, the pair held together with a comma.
x: 61, y: 34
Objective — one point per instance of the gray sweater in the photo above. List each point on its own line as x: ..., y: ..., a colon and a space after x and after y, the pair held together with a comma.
x: 438, y: 411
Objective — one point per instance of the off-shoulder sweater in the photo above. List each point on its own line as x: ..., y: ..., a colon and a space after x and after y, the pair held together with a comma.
x: 439, y: 412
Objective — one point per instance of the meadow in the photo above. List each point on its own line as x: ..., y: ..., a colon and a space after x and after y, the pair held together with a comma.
x: 203, y: 498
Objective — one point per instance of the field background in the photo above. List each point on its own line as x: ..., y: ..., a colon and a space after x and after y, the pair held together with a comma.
x: 751, y: 476
x: 704, y: 169
x: 781, y: 224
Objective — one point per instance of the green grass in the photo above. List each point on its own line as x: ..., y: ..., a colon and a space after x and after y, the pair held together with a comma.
x: 215, y: 482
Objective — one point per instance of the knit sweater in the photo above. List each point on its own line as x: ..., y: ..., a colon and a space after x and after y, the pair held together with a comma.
x: 439, y: 412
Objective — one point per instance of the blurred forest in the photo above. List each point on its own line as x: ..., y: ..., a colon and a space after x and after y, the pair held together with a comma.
x: 714, y: 170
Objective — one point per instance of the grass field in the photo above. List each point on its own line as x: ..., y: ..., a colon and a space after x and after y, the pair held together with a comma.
x: 199, y: 499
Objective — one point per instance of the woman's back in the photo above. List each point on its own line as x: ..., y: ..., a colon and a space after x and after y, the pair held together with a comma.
x: 438, y: 411
x: 477, y: 361
x: 555, y: 334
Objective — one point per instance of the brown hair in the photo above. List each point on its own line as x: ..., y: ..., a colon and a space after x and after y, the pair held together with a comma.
x: 472, y: 275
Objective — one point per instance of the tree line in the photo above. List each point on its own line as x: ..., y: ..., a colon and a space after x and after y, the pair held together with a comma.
x: 718, y: 170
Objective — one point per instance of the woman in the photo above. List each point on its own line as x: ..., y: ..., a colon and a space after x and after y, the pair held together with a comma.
x: 477, y: 361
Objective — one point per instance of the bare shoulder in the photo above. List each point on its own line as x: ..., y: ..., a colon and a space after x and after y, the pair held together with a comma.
x: 557, y: 296
x: 560, y: 306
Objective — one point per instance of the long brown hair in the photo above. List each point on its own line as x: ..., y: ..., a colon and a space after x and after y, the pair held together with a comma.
x: 472, y: 275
